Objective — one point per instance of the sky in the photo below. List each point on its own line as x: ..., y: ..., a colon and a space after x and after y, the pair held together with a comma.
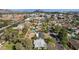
x: 39, y: 4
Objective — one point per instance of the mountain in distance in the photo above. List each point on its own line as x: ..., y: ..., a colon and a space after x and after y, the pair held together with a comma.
x: 37, y: 10
x: 47, y: 10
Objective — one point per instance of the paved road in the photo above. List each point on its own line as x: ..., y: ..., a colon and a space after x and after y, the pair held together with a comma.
x: 8, y: 26
x: 3, y: 28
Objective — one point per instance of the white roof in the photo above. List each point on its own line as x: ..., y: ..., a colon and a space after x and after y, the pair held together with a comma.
x: 27, y: 19
x: 77, y: 31
x: 37, y: 34
x: 39, y: 43
x: 20, y: 26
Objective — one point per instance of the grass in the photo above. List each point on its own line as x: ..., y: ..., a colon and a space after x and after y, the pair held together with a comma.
x: 8, y: 46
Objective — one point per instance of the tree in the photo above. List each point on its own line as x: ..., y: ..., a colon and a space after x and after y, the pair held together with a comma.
x: 19, y: 46
x: 63, y: 36
x: 57, y: 29
x: 50, y: 42
x: 45, y: 27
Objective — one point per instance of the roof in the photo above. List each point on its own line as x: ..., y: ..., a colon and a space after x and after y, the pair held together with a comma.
x: 39, y: 35
x: 75, y: 43
x: 39, y: 43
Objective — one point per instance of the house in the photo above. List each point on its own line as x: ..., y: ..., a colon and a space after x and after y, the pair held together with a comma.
x: 74, y: 44
x: 60, y: 16
x: 40, y: 43
x: 55, y: 16
x: 19, y: 27
x: 77, y: 31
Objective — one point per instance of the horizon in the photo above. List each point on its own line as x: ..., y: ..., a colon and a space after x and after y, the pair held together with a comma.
x: 47, y: 10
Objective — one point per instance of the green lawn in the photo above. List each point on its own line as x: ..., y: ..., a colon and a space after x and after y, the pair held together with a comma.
x: 8, y: 46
